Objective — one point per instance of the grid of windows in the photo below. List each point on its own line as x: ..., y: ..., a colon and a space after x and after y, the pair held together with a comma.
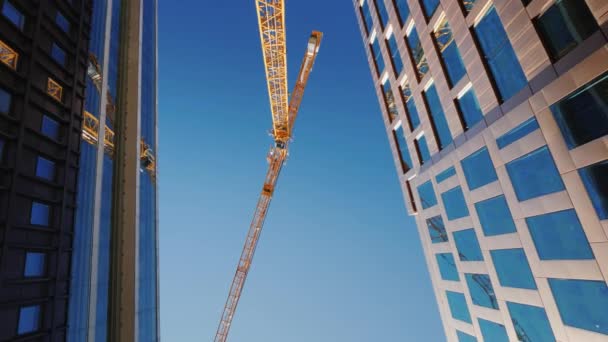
x: 437, y: 229
x: 410, y: 106
x: 534, y: 175
x: 437, y: 116
x: 449, y: 53
x: 417, y: 53
x: 469, y: 110
x: 478, y: 169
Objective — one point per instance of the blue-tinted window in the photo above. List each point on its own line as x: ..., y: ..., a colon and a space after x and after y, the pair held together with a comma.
x: 413, y: 42
x: 378, y: 56
x: 482, y: 292
x: 50, y: 128
x: 464, y: 337
x: 437, y: 229
x: 445, y: 174
x: 29, y: 319
x: 34, y: 264
x: 430, y: 6
x: 449, y: 53
x: 1, y: 150
x: 406, y: 160
x: 468, y: 5
x: 455, y: 204
x: 517, y: 133
x: 559, y: 236
x: 389, y: 101
x: 382, y: 12
x: 467, y: 245
x: 437, y: 117
x: 45, y: 169
x: 564, y: 25
x: 62, y: 22
x: 13, y: 14
x: 367, y: 16
x: 513, y: 269
x: 531, y: 323
x: 40, y: 214
x: 403, y: 10
x: 582, y: 304
x: 499, y: 55
x: 447, y: 266
x: 410, y: 106
x: 534, y: 175
x: 595, y: 178
x: 427, y: 195
x: 583, y: 115
x: 493, y: 332
x: 6, y: 100
x: 478, y: 169
x: 423, y: 149
x: 469, y: 109
x: 458, y: 306
x: 58, y: 54
x: 395, y: 57
x: 495, y: 216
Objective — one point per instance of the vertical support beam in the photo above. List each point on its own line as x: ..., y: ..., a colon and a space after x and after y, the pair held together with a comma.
x: 124, y: 249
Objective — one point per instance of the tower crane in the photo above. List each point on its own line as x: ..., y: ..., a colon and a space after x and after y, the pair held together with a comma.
x: 271, y: 22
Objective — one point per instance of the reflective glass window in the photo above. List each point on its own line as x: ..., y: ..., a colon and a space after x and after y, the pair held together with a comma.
x: 482, y: 292
x: 45, y: 169
x: 423, y: 149
x: 413, y: 42
x: 29, y: 319
x: 40, y: 214
x: 447, y: 266
x: 582, y: 304
x: 583, y: 115
x: 458, y: 306
x: 404, y: 153
x: 410, y: 106
x: 495, y: 216
x: 34, y: 264
x: 564, y: 25
x: 492, y: 331
x: 389, y: 100
x: 437, y: 229
x: 478, y: 169
x: 445, y: 174
x: 499, y: 55
x: 58, y: 54
x: 559, y: 236
x: 395, y: 56
x: 427, y: 195
x: 468, y: 5
x: 464, y: 337
x: 469, y: 109
x: 378, y: 56
x: 6, y: 100
x: 1, y: 150
x: 467, y: 245
x: 517, y: 133
x: 430, y: 6
x: 531, y: 323
x: 367, y: 16
x: 534, y: 175
x: 437, y: 116
x: 455, y: 204
x: 449, y: 53
x: 50, y: 128
x: 62, y: 22
x: 382, y: 12
x: 513, y: 269
x: 595, y: 179
x: 13, y: 14
x: 403, y: 10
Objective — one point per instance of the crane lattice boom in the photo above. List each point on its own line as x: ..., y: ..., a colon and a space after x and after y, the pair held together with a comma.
x: 272, y: 32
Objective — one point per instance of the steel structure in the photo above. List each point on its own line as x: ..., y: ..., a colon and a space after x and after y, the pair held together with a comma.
x: 271, y: 20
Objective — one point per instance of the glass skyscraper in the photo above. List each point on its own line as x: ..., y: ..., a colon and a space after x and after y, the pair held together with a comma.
x: 497, y: 117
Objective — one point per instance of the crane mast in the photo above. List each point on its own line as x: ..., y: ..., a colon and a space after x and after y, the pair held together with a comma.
x: 271, y: 20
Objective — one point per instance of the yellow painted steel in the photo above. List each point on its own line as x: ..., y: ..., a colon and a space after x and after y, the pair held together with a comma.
x: 54, y: 89
x: 8, y: 56
x: 90, y: 132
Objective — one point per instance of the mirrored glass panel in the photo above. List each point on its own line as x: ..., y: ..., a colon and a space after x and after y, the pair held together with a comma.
x: 464, y: 337
x: 534, y: 175
x: 531, y: 323
x: 458, y: 306
x: 517, y: 133
x: 469, y: 109
x: 447, y: 266
x: 481, y: 290
x: 34, y: 264
x: 513, y: 269
x: 493, y: 332
x: 437, y: 229
x: 478, y: 169
x: 437, y: 116
x: 454, y: 203
x: 427, y: 195
x: 445, y: 174
x: 467, y: 245
x: 595, y: 179
x: 40, y: 214
x: 495, y: 216
x: 29, y: 319
x: 582, y: 304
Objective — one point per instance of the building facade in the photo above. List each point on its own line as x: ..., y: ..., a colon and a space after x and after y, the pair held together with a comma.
x: 79, y: 203
x: 497, y: 117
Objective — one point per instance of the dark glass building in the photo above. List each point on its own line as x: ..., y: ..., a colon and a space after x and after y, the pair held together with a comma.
x: 78, y: 201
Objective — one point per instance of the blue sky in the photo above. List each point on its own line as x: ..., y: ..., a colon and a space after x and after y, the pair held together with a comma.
x: 339, y: 260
